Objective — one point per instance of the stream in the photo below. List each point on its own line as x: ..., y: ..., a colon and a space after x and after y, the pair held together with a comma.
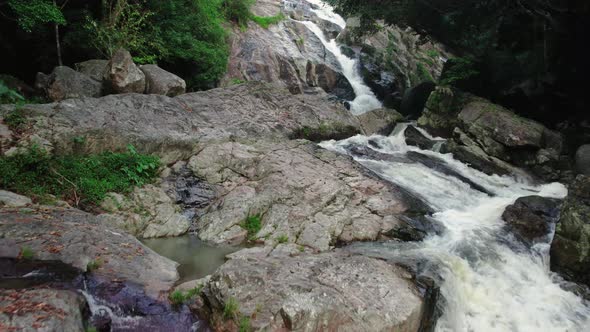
x: 489, y: 281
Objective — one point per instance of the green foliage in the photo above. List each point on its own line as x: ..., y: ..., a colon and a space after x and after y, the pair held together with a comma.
x: 8, y: 95
x: 32, y: 13
x: 423, y: 73
x: 16, y: 121
x: 91, y: 329
x: 193, y: 40
x: 433, y: 53
x: 236, y: 81
x: 460, y: 69
x: 252, y: 224
x: 237, y: 11
x: 267, y: 21
x: 94, y: 265
x: 283, y: 239
x: 81, y: 179
x: 26, y: 253
x: 178, y: 297
x: 231, y: 308
x: 244, y: 325
x: 125, y: 25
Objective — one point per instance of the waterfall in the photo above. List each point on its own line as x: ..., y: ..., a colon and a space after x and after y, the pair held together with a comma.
x: 365, y: 98
x: 489, y: 281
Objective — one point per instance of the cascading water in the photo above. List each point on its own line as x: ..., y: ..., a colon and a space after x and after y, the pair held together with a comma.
x: 365, y: 98
x: 489, y: 280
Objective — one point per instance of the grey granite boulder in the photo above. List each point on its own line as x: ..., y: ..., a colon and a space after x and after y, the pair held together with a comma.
x: 122, y: 75
x: 160, y: 82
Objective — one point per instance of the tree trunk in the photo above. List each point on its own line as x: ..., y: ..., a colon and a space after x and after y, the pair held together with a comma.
x: 57, y: 43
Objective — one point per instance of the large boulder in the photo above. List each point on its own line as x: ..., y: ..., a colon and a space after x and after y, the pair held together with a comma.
x: 301, y: 292
x: 10, y: 199
x: 41, y: 310
x: 161, y: 82
x: 95, y: 69
x: 531, y: 218
x: 570, y: 250
x: 379, y: 121
x: 66, y: 83
x: 583, y: 159
x: 277, y: 181
x: 122, y: 75
x: 175, y: 128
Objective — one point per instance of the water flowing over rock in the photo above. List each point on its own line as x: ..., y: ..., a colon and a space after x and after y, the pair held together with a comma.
x: 302, y: 292
x: 570, y: 250
x: 66, y: 83
x: 122, y: 75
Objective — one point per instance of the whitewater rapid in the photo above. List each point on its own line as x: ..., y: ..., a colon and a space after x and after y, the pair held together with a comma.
x: 365, y: 99
x: 489, y: 280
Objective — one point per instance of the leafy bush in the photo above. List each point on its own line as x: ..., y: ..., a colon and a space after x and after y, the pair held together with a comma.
x: 8, y: 95
x: 126, y: 25
x: 31, y: 13
x: 458, y: 70
x: 81, y: 179
x: 237, y: 11
x: 266, y: 21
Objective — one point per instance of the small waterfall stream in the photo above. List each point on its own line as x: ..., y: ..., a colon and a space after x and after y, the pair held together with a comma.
x: 365, y: 98
x: 489, y: 280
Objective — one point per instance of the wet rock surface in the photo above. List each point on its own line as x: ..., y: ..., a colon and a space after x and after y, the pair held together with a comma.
x: 531, y: 218
x: 303, y: 292
x: 570, y: 250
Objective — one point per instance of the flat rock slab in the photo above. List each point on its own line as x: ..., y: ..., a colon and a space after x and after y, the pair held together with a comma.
x: 302, y: 193
x: 283, y: 289
x: 173, y: 127
x: 42, y: 310
x: 78, y: 238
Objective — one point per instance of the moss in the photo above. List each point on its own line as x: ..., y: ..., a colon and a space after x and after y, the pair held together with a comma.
x: 26, y: 253
x: 423, y: 74
x: 94, y: 265
x: 252, y: 224
x: 16, y: 121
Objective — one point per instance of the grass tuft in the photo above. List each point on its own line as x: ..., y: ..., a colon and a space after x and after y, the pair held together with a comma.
x: 267, y: 21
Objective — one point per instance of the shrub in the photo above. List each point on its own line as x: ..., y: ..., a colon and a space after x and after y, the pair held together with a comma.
x: 252, y: 224
x: 237, y: 11
x: 8, y: 95
x: 15, y: 121
x: 267, y: 21
x: 81, y: 179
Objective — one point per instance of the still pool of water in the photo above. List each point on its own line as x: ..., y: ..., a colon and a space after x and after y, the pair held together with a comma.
x: 197, y: 259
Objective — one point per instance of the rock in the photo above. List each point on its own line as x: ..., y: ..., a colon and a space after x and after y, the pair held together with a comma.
x: 531, y: 218
x: 301, y: 292
x: 570, y: 249
x: 66, y: 83
x: 176, y: 128
x: 147, y: 213
x: 279, y: 182
x: 41, y: 310
x: 383, y: 83
x: 287, y: 55
x: 5, y: 137
x: 583, y: 159
x: 440, y: 115
x: 95, y: 69
x: 414, y: 99
x: 160, y: 82
x: 9, y: 199
x: 78, y: 238
x: 379, y: 122
x: 416, y: 138
x: 122, y: 75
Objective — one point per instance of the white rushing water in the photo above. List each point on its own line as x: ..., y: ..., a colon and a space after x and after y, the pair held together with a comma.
x: 489, y: 281
x: 365, y: 98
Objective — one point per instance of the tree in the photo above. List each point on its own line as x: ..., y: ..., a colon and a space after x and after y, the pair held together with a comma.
x: 31, y: 14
